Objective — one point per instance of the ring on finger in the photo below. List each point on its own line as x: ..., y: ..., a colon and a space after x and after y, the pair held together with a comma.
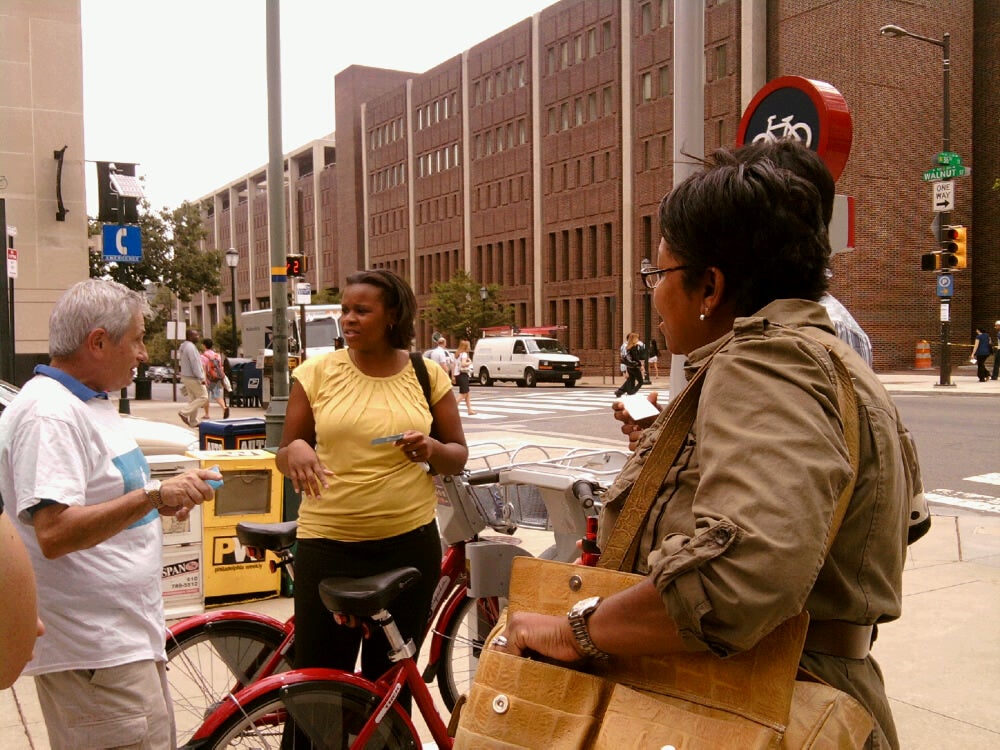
x: 500, y: 640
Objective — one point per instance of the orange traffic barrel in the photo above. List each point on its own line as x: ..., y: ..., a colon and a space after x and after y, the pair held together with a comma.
x: 923, y: 356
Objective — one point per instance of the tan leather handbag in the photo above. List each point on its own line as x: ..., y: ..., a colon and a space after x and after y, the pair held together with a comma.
x: 687, y: 701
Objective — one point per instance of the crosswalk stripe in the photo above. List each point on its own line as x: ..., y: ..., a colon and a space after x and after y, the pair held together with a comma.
x: 991, y: 478
x: 964, y: 500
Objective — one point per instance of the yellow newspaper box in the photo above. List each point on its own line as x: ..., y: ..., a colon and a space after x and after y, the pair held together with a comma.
x: 252, y: 491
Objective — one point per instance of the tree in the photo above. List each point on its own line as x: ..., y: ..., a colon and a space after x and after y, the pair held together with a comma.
x: 226, y: 337
x: 455, y: 307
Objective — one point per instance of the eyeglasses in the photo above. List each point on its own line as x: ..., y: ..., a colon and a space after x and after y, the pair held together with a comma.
x: 653, y: 276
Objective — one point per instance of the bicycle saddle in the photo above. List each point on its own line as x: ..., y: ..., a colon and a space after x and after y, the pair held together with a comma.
x: 272, y: 536
x: 364, y: 597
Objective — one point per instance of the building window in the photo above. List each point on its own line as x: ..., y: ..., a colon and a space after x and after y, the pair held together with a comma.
x: 522, y: 131
x: 592, y: 42
x: 720, y: 62
x: 564, y: 54
x: 647, y: 86
x: 607, y: 38
x: 592, y: 105
x: 646, y: 14
x: 578, y: 110
x: 553, y: 122
x: 609, y: 101
x: 665, y: 6
x: 564, y: 115
x: 665, y: 81
x: 477, y: 146
x: 476, y: 93
x: 551, y: 60
x: 520, y: 73
x: 499, y: 139
x: 579, y: 48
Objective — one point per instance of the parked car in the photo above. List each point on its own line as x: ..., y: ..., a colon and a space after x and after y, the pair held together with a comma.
x: 160, y: 373
x: 154, y: 438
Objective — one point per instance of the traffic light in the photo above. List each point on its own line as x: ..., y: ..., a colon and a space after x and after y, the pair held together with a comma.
x: 296, y: 265
x: 953, y: 244
x: 118, y: 193
x: 938, y: 261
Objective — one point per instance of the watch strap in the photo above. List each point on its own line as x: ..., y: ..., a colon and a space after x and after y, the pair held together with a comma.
x: 581, y: 633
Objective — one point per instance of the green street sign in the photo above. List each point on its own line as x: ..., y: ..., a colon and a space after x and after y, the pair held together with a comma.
x: 949, y: 158
x: 945, y: 173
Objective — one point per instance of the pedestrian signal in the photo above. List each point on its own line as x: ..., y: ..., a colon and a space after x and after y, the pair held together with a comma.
x: 296, y: 265
x: 938, y: 261
x: 954, y: 244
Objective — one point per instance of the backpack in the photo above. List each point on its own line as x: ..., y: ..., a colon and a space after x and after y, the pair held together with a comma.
x: 213, y: 368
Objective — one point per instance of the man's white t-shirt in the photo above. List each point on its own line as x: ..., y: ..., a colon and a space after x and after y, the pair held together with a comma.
x: 102, y: 606
x: 443, y: 357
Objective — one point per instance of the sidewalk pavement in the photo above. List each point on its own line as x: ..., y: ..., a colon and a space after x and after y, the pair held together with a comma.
x: 940, y: 659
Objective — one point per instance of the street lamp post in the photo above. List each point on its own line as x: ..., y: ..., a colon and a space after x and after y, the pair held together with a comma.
x: 484, y: 295
x: 944, y: 217
x: 233, y: 260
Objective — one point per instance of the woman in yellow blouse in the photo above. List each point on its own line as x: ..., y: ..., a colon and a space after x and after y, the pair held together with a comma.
x: 367, y: 507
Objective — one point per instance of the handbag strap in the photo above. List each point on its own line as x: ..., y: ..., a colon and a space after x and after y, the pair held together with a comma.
x: 622, y: 547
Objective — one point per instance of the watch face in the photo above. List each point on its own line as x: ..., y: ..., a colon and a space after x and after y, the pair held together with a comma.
x: 585, y: 606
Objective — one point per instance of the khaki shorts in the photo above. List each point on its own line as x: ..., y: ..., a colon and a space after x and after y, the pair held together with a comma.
x: 127, y: 706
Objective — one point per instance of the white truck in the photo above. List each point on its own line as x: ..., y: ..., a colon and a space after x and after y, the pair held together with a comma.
x: 322, y: 327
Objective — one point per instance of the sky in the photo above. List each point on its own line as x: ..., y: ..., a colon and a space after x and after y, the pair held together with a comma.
x: 180, y: 86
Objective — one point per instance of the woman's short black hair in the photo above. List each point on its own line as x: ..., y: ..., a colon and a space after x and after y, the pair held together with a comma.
x: 397, y: 296
x: 758, y: 223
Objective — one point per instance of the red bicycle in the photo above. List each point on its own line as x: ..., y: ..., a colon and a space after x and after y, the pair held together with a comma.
x: 339, y: 709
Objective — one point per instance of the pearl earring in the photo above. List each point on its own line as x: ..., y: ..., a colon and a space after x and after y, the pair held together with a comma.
x: 701, y: 317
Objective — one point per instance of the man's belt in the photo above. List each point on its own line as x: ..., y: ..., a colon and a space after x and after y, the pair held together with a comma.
x: 839, y: 638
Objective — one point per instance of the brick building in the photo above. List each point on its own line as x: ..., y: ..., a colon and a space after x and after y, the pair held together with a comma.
x: 536, y: 159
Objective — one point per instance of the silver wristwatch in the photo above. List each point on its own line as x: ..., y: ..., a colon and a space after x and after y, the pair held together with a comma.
x: 152, y: 489
x: 577, y: 616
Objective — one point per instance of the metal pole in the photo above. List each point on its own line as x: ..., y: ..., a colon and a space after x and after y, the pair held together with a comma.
x: 274, y: 417
x: 6, y: 325
x: 689, y: 116
x: 945, y: 216
x: 232, y: 283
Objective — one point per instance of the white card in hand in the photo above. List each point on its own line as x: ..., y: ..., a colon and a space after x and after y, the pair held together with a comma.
x: 638, y: 406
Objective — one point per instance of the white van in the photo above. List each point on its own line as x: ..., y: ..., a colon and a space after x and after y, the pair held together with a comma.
x: 527, y: 360
x: 322, y: 327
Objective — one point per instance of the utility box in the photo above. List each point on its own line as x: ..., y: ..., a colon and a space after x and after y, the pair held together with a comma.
x: 252, y: 491
x: 232, y: 434
x: 182, y: 581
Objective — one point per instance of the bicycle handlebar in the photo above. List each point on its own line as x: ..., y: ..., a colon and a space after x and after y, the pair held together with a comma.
x: 583, y: 489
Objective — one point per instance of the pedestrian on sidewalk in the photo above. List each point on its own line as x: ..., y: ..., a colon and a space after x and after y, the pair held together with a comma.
x: 192, y: 377
x: 632, y: 359
x: 654, y: 357
x: 88, y: 513
x: 367, y: 505
x: 443, y: 357
x: 981, y: 350
x: 463, y: 374
x: 722, y: 561
x: 215, y: 377
x: 996, y: 350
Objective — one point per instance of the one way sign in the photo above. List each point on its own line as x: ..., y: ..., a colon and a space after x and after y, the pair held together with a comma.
x: 944, y: 195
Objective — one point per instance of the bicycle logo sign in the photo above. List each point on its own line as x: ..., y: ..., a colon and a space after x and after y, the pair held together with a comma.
x: 812, y: 112
x: 785, y: 129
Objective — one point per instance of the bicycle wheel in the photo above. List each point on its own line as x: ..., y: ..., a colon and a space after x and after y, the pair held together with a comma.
x: 207, y: 663
x: 464, y: 636
x: 329, y: 713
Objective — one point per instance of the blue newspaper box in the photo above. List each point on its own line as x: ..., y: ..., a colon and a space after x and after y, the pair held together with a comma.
x: 232, y: 434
